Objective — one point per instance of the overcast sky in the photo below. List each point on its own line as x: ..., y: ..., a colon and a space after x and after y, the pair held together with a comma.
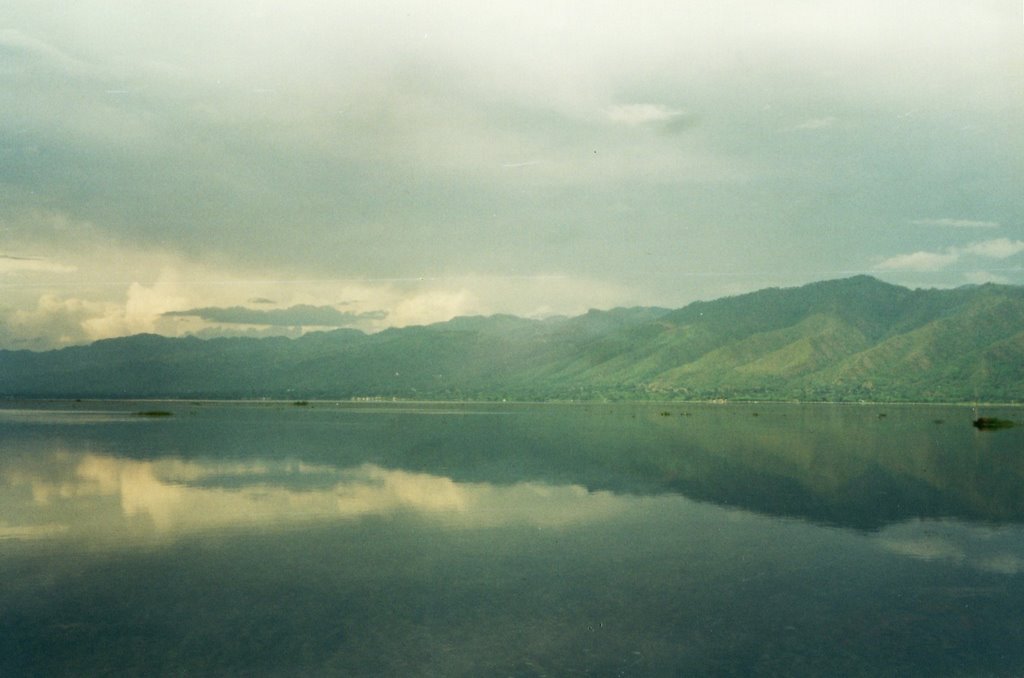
x: 217, y: 166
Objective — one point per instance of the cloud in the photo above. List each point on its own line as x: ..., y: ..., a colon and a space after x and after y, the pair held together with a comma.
x: 922, y: 261
x: 816, y: 123
x: 918, y: 262
x: 51, y: 322
x: 434, y: 305
x: 386, y: 140
x: 142, y: 309
x: 176, y: 298
x: 12, y: 264
x: 30, y: 53
x: 636, y: 115
x: 1000, y: 248
x: 956, y: 223
x: 57, y: 320
x: 640, y: 114
x: 302, y: 314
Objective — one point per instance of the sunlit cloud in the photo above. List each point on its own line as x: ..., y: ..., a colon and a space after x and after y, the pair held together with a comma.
x: 367, y: 141
x: 143, y: 307
x: 53, y: 321
x: 300, y: 314
x: 174, y: 299
x: 435, y: 305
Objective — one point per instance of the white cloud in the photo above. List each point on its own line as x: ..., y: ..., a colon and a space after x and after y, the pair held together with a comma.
x: 91, y: 308
x: 817, y: 123
x: 923, y: 262
x: 58, y: 320
x: 1000, y: 248
x: 956, y: 223
x: 142, y: 310
x: 918, y: 262
x: 52, y: 322
x: 642, y: 114
x: 433, y: 306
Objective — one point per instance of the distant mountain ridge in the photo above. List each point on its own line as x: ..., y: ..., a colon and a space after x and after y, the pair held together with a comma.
x: 840, y: 340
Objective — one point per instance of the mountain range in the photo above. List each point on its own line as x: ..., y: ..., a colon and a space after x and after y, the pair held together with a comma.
x: 840, y: 340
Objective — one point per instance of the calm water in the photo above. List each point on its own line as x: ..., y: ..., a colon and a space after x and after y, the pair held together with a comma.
x: 509, y: 540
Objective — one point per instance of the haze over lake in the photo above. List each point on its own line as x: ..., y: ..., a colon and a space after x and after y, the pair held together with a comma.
x: 509, y: 539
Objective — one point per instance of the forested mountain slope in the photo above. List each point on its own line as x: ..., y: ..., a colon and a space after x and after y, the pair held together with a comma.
x: 850, y: 339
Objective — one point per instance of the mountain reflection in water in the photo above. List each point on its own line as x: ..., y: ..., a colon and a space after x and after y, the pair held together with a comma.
x: 264, y: 539
x: 853, y: 466
x: 107, y: 499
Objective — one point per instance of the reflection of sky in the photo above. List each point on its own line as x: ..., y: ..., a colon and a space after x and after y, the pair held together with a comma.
x: 997, y: 550
x: 51, y: 417
x: 99, y: 496
x: 85, y: 493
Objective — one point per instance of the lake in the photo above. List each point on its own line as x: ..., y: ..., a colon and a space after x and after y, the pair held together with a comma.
x: 406, y: 539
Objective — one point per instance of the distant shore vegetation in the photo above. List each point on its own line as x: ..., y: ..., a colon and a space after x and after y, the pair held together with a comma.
x: 851, y: 340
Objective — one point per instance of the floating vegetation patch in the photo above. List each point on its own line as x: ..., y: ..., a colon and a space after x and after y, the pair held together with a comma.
x: 991, y: 423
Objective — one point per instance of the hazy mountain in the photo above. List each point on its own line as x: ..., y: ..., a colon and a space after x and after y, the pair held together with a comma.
x: 850, y: 339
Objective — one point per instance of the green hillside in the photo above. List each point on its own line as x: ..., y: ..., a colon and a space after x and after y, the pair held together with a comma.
x: 840, y: 340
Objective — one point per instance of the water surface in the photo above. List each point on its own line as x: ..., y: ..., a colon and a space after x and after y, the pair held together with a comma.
x: 409, y: 539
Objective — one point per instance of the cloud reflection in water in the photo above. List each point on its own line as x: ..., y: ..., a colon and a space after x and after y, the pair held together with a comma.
x: 991, y: 549
x: 90, y: 493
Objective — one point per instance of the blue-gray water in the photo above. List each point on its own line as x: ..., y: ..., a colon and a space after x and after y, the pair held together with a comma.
x: 509, y: 540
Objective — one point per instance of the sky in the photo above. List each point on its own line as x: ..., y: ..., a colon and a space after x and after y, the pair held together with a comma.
x: 217, y: 167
